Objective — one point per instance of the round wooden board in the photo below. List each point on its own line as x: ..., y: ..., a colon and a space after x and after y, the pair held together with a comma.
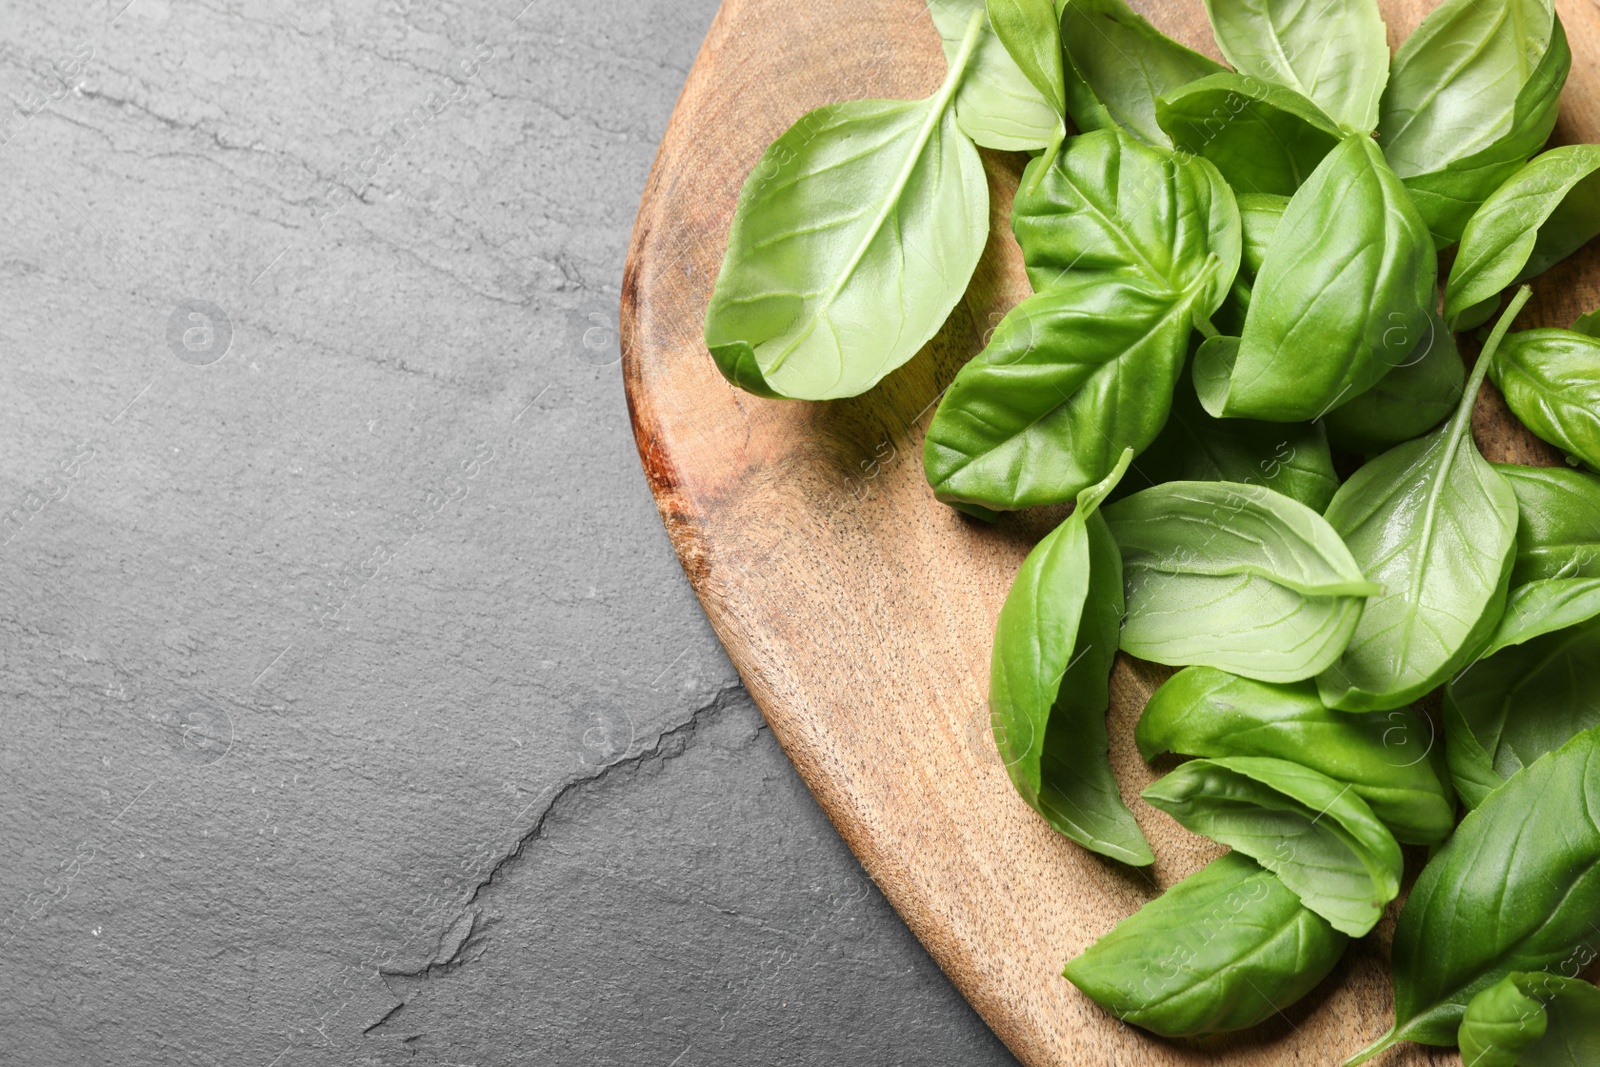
x: 859, y: 610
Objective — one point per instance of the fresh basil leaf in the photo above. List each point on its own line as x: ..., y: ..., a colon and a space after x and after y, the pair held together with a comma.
x: 1588, y: 324
x: 1541, y: 215
x: 1472, y: 94
x: 1236, y: 577
x: 1260, y: 214
x: 853, y: 239
x: 1407, y: 402
x: 998, y: 105
x: 1388, y: 759
x: 1119, y: 64
x: 1314, y: 833
x: 1262, y: 137
x: 1225, y: 948
x: 1031, y: 33
x: 1532, y: 1020
x: 1558, y: 535
x: 1435, y: 524
x: 1516, y: 888
x: 1333, y: 52
x: 1551, y: 381
x: 1543, y: 607
x: 1048, y: 714
x: 1341, y: 298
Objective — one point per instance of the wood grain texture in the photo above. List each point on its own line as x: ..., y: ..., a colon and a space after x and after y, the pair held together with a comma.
x: 859, y: 610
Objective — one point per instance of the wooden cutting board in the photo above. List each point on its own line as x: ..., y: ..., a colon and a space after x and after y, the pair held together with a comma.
x: 859, y: 610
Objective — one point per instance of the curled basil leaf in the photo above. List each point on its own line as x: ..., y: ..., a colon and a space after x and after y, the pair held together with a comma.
x: 1342, y: 297
x: 1435, y: 524
x: 1031, y: 33
x: 1516, y: 888
x: 1551, y: 381
x: 1314, y: 833
x: 853, y: 239
x: 1541, y: 215
x: 1472, y: 94
x: 998, y: 105
x: 1558, y: 535
x: 1118, y: 64
x: 1388, y: 759
x: 1224, y: 949
x: 1333, y: 52
x: 1259, y: 216
x: 1262, y: 137
x: 1236, y: 577
x: 1532, y: 1019
x: 1048, y: 687
x: 1407, y: 402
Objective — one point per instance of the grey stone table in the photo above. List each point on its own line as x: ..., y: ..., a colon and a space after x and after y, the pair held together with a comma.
x: 354, y: 707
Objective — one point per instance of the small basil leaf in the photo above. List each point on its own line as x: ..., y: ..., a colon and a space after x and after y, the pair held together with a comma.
x: 853, y: 239
x: 1122, y: 64
x: 1543, y: 607
x: 998, y: 105
x: 1259, y: 216
x: 1516, y: 888
x: 1532, y: 1020
x: 1224, y: 949
x: 1031, y: 33
x: 1436, y: 525
x: 1558, y: 535
x: 1262, y: 137
x: 1541, y: 215
x: 1039, y: 633
x: 1389, y: 759
x: 1341, y: 298
x: 1472, y: 94
x: 1314, y: 833
x: 1236, y: 577
x: 1551, y: 381
x: 1407, y: 402
x: 1588, y: 324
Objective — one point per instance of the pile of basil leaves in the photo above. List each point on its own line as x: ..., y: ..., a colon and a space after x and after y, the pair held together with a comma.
x: 1236, y: 275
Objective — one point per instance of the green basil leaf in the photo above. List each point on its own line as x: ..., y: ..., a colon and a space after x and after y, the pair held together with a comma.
x: 1260, y: 214
x: 1435, y: 524
x: 1063, y: 607
x: 1237, y: 577
x: 1072, y: 376
x: 1388, y: 759
x: 1119, y: 64
x: 853, y: 239
x: 1224, y: 949
x: 1472, y: 94
x: 1588, y: 324
x: 998, y: 105
x: 1558, y: 535
x: 1031, y: 33
x: 1333, y: 52
x: 1314, y: 833
x: 1543, y: 607
x: 1111, y: 205
x: 1532, y: 1020
x: 1541, y: 215
x: 1290, y: 458
x: 1341, y: 298
x: 1407, y: 402
x: 1516, y: 888
x: 1551, y: 381
x: 1262, y: 137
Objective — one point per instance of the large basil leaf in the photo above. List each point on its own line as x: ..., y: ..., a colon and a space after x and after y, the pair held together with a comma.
x: 853, y: 238
x: 1516, y: 888
x: 998, y: 105
x: 1388, y: 759
x: 1048, y: 686
x: 1313, y: 832
x: 1532, y: 1020
x: 1290, y: 458
x: 1224, y: 949
x: 1407, y: 402
x: 1472, y: 94
x: 1262, y: 137
x: 1260, y: 214
x: 1541, y: 215
x: 1119, y: 64
x: 1342, y: 297
x: 1237, y: 577
x: 1551, y: 381
x: 1558, y: 535
x: 1333, y: 52
x: 1435, y: 524
x: 1072, y: 376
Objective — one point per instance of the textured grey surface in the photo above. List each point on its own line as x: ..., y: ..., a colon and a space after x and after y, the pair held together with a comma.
x: 354, y: 707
